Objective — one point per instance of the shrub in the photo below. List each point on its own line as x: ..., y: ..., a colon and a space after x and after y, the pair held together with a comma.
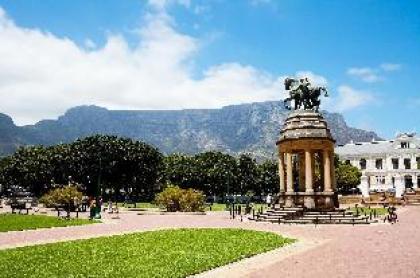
x: 64, y: 196
x: 177, y: 199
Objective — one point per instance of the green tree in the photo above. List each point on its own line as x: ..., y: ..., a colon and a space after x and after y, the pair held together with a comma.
x: 268, y: 178
x: 113, y: 162
x: 217, y: 173
x: 347, y: 176
x: 247, y: 174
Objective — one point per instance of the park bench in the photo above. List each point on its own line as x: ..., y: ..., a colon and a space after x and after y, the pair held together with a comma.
x: 20, y: 206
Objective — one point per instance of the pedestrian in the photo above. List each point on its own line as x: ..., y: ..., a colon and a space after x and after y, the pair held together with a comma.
x: 110, y: 206
x: 268, y: 200
x: 92, y: 209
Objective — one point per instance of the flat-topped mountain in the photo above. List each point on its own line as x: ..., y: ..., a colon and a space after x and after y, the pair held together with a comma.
x: 234, y: 129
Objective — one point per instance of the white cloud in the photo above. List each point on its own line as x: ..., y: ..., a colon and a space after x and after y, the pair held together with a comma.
x: 390, y: 67
x: 42, y: 75
x: 349, y: 98
x: 316, y: 80
x: 365, y: 74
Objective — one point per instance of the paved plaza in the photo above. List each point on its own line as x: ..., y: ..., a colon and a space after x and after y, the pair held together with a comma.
x: 377, y: 250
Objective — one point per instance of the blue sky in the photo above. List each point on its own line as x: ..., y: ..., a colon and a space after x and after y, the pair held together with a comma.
x: 193, y: 54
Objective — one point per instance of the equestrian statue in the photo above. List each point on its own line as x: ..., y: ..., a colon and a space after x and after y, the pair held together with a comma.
x: 303, y: 94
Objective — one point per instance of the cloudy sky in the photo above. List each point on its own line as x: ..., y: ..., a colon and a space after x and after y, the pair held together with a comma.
x: 173, y: 54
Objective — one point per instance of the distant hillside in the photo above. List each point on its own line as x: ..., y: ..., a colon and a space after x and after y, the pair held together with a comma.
x: 234, y: 129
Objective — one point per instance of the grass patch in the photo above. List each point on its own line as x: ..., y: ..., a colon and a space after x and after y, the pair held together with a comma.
x: 19, y: 222
x: 362, y: 210
x: 165, y: 253
x: 222, y: 207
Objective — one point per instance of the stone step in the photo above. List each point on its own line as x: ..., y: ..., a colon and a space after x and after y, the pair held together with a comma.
x: 280, y: 212
x: 334, y: 219
x: 328, y: 213
x: 305, y: 221
x: 287, y: 209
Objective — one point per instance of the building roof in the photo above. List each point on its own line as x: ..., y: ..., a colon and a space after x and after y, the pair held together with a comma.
x: 381, y: 147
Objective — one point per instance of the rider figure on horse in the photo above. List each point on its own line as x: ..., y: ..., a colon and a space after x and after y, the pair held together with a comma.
x: 303, y: 93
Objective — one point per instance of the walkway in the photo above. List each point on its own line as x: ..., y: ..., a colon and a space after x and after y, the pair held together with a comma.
x: 324, y: 251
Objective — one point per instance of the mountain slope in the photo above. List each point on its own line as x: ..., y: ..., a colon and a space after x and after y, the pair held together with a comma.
x: 237, y: 128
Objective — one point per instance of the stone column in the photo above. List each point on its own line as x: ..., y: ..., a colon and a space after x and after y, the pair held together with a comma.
x: 327, y: 171
x: 399, y: 186
x: 364, y: 186
x: 415, y: 181
x: 309, y: 199
x: 413, y: 162
x: 332, y: 169
x: 308, y: 172
x: 281, y: 172
x: 321, y: 170
x: 289, y: 173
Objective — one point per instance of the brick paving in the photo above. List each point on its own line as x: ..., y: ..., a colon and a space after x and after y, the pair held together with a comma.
x: 381, y: 250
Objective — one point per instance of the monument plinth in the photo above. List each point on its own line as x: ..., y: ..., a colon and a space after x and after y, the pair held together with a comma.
x: 306, y: 152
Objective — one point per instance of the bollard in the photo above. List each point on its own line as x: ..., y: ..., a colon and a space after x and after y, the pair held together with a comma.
x: 370, y: 215
x: 233, y: 211
x: 353, y: 221
x: 241, y: 218
x: 253, y: 213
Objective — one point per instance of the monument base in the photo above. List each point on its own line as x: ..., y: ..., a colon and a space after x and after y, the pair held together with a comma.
x: 309, y: 200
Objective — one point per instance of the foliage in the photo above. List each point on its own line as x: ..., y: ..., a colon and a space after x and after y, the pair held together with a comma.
x: 220, y: 174
x: 247, y: 174
x: 114, y: 163
x: 65, y: 195
x: 174, y: 198
x: 191, y: 200
x: 18, y: 222
x: 347, y: 176
x: 268, y: 178
x: 363, y: 210
x: 165, y: 253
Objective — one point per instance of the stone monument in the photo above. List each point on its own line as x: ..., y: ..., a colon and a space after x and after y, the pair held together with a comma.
x: 306, y: 151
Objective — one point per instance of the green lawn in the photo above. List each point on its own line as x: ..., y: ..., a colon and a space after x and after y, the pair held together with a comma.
x: 362, y: 210
x: 165, y: 253
x: 19, y: 222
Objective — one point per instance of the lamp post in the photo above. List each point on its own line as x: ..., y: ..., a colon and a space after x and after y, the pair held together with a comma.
x: 98, y: 190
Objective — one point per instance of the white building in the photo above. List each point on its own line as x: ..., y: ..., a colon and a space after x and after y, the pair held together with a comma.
x: 392, y: 165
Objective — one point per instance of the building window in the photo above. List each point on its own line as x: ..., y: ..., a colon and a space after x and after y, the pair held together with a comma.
x: 405, y: 145
x: 380, y: 180
x: 395, y: 163
x: 378, y: 164
x: 363, y: 164
x: 407, y: 163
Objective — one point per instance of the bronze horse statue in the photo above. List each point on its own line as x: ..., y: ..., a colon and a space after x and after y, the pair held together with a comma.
x: 303, y: 94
